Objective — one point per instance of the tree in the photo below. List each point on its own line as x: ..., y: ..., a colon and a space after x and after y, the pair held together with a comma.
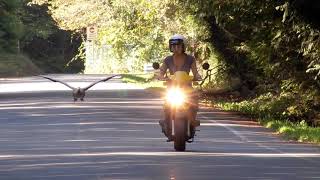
x: 138, y: 29
x: 11, y: 28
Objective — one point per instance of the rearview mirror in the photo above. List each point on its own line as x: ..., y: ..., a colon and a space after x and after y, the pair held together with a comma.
x: 155, y: 65
x: 205, y: 66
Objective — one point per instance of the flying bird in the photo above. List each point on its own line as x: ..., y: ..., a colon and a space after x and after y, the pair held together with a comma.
x: 78, y: 93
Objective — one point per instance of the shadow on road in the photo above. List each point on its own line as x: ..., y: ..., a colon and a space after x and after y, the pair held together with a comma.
x: 115, y: 135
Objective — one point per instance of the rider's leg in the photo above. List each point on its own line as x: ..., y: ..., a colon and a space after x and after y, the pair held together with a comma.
x: 194, y: 106
x: 192, y: 114
x: 165, y: 123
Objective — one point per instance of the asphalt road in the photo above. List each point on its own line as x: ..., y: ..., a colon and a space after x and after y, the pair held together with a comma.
x: 114, y: 134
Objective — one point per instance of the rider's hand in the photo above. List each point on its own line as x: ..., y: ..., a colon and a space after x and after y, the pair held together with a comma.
x: 197, y: 78
x: 161, y: 78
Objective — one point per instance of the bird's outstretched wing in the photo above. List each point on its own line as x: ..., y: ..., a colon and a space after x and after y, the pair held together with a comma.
x: 102, y: 80
x: 55, y: 80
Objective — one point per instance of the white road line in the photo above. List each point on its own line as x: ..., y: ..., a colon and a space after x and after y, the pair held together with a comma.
x: 258, y: 155
x: 245, y: 139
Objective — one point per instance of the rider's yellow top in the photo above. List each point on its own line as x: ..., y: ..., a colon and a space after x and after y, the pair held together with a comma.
x: 181, y: 77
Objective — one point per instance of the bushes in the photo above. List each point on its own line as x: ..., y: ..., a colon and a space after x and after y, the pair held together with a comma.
x: 277, y: 112
x: 285, y: 106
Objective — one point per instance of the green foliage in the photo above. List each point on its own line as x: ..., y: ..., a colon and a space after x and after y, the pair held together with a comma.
x: 269, y: 115
x: 145, y: 80
x: 38, y: 22
x: 137, y: 30
x: 272, y: 49
x: 137, y: 78
x: 291, y: 104
x: 294, y: 131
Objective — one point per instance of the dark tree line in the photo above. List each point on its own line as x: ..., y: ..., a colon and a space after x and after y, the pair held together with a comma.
x: 30, y: 30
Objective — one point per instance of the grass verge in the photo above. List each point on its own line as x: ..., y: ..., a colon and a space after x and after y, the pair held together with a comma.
x: 13, y: 65
x: 299, y: 131
x: 143, y: 80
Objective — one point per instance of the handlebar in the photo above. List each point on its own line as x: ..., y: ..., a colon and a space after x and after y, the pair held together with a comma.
x: 168, y: 79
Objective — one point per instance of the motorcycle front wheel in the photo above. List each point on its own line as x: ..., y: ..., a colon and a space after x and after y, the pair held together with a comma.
x: 180, y: 127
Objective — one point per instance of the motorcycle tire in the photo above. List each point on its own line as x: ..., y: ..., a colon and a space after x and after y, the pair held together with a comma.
x: 180, y: 134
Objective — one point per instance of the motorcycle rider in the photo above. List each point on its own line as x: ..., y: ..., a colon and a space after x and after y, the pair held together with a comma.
x: 180, y: 61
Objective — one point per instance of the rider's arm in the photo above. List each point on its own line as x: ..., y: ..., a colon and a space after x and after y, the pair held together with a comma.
x: 195, y: 72
x: 163, y: 70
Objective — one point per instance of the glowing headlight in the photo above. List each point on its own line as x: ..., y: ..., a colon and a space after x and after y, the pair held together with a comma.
x: 175, y: 96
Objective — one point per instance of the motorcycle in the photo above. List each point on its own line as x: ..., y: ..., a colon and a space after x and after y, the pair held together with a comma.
x: 180, y: 98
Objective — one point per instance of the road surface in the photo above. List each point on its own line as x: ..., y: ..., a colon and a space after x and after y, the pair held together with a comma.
x: 114, y: 134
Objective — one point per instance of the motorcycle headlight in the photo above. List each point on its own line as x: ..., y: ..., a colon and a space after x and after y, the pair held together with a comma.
x: 175, y: 96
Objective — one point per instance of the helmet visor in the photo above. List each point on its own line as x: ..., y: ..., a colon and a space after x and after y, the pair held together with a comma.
x: 175, y: 41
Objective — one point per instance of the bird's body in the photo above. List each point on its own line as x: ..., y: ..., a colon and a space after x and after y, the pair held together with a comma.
x: 79, y: 93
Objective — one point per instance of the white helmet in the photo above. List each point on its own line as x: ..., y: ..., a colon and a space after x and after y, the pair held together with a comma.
x: 177, y: 39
